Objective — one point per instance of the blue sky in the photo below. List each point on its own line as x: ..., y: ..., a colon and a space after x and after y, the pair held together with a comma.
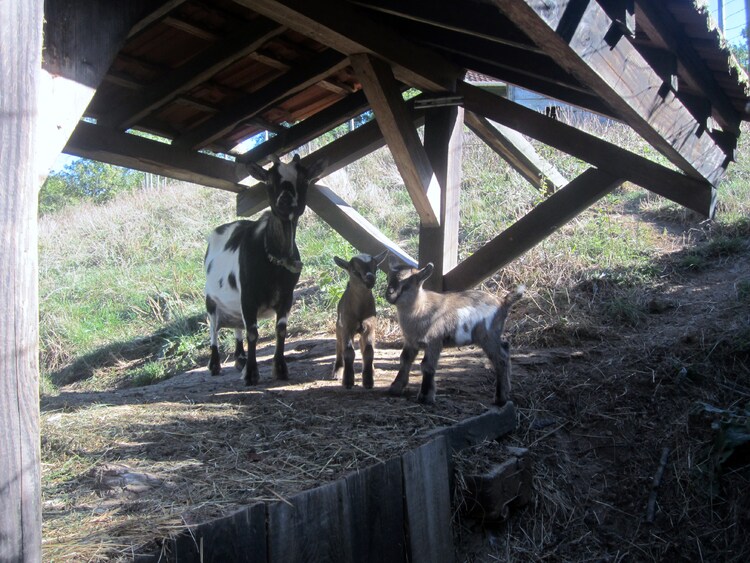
x: 734, y: 18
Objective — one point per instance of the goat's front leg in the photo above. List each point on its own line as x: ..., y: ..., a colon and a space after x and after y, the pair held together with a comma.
x: 429, y: 366
x: 338, y: 365
x: 367, y: 347
x: 280, y: 370
x: 408, y: 354
x: 214, y: 362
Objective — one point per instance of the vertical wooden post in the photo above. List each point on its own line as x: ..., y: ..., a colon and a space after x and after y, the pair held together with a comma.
x: 20, y: 491
x: 443, y: 142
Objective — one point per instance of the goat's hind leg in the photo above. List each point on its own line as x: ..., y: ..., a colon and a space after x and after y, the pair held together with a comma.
x: 499, y: 354
x: 338, y: 364
x: 280, y: 369
x: 367, y: 347
x: 348, y: 379
x: 214, y: 363
x: 240, y: 358
x: 429, y: 365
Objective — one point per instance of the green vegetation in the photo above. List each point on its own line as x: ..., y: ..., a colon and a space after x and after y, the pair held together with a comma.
x: 121, y: 278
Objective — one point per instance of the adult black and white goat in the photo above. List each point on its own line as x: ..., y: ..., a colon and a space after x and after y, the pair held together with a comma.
x: 355, y: 314
x: 432, y: 320
x: 252, y: 267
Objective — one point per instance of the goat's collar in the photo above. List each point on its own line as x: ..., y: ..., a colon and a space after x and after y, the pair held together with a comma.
x: 294, y: 266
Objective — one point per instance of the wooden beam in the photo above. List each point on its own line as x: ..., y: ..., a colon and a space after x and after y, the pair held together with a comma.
x: 307, y: 130
x: 296, y: 80
x: 392, y: 116
x: 652, y: 18
x: 332, y: 23
x: 139, y: 153
x: 620, y: 75
x: 197, y: 70
x: 20, y: 466
x: 543, y: 220
x: 443, y: 143
x: 694, y: 194
x: 155, y: 16
x: 518, y: 152
x: 346, y: 221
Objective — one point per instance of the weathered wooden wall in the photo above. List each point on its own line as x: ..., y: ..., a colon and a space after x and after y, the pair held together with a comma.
x: 394, y: 511
x: 20, y: 496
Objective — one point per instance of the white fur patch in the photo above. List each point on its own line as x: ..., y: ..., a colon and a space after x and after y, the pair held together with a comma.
x: 222, y: 263
x: 288, y: 173
x: 468, y: 318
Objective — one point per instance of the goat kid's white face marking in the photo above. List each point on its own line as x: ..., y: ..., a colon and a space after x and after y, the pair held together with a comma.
x: 468, y: 318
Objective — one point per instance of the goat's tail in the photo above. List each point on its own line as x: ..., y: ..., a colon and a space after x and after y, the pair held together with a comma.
x: 510, y: 299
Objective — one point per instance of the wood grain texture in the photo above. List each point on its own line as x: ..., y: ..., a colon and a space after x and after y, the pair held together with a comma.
x: 392, y: 116
x: 375, y: 495
x: 535, y: 226
x: 490, y: 425
x: 312, y: 526
x: 20, y: 493
x: 428, y: 507
x: 574, y: 34
x: 239, y: 537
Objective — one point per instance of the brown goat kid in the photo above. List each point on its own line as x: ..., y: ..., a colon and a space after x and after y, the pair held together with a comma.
x: 356, y: 315
x: 433, y: 320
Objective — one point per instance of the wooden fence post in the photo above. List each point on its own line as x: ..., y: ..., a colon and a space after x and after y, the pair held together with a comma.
x: 20, y: 491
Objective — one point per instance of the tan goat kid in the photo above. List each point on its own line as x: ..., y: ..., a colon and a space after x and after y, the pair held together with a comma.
x: 432, y: 321
x: 356, y: 315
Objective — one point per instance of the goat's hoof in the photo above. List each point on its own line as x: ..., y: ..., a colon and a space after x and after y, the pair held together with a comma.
x: 251, y: 377
x: 367, y: 380
x: 215, y: 369
x: 500, y: 402
x: 280, y: 372
x: 338, y: 373
x: 395, y: 390
x: 426, y: 399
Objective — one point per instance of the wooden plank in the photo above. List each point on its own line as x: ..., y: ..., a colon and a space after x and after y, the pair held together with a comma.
x: 307, y: 130
x: 239, y: 537
x: 443, y: 143
x: 20, y: 474
x: 155, y: 16
x: 294, y: 81
x: 80, y: 41
x: 518, y: 152
x: 620, y: 75
x: 428, y: 506
x: 535, y: 226
x: 139, y: 153
x: 331, y: 23
x: 490, y: 425
x: 694, y: 194
x: 311, y: 526
x: 375, y: 496
x: 357, y: 230
x: 392, y: 116
x: 653, y: 19
x: 180, y: 80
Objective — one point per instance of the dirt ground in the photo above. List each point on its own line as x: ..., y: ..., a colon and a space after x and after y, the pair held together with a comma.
x: 598, y: 416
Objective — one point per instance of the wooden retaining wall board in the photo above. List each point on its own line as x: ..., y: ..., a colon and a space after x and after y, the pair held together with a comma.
x: 428, y: 503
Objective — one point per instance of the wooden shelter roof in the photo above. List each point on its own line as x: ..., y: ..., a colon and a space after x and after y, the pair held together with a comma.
x: 207, y: 75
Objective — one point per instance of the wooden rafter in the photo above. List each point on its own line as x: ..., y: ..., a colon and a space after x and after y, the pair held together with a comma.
x: 651, y: 18
x: 391, y: 114
x: 139, y: 153
x: 222, y: 54
x: 576, y: 35
x: 296, y: 80
x: 307, y: 130
x: 517, y: 152
x: 535, y: 226
x: 349, y: 30
x: 692, y: 193
x: 156, y: 15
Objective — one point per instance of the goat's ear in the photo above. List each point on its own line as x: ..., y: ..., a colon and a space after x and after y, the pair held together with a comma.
x: 315, y: 171
x: 257, y: 171
x: 425, y: 272
x: 379, y: 258
x: 394, y: 263
x: 341, y: 263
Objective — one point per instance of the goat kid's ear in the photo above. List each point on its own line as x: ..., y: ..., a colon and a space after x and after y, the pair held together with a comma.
x: 341, y: 263
x: 256, y: 171
x: 425, y: 272
x: 394, y: 263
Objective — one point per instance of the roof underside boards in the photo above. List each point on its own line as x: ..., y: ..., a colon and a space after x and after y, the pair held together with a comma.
x: 207, y: 75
